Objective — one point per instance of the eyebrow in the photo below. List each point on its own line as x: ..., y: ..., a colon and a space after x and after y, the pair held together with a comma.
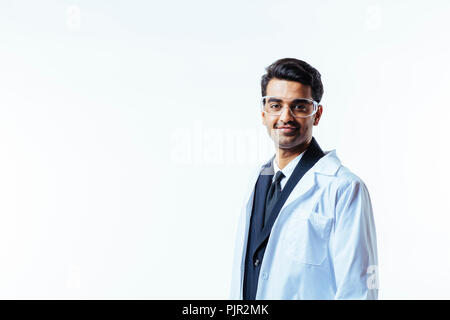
x: 274, y: 100
x: 301, y: 100
x: 293, y: 101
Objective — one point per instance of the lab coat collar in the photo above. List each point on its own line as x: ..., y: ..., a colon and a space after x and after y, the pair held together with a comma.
x: 327, y: 165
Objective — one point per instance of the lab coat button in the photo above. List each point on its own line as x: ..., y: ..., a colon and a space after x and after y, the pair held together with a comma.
x: 256, y: 262
x: 265, y: 275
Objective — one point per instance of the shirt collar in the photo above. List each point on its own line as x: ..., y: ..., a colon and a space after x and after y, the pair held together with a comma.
x: 287, y: 170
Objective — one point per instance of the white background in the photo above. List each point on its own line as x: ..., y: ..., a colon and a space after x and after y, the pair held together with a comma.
x: 128, y: 130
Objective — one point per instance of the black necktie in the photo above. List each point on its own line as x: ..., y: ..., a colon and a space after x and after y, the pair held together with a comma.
x: 273, y: 195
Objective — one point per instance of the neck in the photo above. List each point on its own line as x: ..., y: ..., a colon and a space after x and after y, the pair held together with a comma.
x: 284, y: 156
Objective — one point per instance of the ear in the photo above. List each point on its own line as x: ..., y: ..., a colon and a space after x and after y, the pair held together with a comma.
x: 318, y: 115
x: 263, y: 115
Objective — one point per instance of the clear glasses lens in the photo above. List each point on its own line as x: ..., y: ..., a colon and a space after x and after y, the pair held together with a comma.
x: 299, y: 107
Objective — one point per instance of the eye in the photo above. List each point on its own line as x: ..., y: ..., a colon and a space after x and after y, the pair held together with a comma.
x: 299, y: 107
x: 274, y: 106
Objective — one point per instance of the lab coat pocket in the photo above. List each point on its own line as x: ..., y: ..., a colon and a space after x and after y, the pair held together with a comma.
x: 305, y: 237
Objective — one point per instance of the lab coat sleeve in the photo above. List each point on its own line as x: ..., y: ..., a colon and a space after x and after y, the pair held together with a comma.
x: 353, y: 243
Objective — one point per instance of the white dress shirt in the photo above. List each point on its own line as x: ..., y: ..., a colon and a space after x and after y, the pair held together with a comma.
x: 287, y: 170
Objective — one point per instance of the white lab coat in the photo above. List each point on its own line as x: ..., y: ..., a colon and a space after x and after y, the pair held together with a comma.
x: 322, y: 244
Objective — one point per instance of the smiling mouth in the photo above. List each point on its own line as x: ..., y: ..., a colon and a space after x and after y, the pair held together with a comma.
x: 286, y: 129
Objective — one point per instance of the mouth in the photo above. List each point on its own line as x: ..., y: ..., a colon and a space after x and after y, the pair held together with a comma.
x: 286, y: 129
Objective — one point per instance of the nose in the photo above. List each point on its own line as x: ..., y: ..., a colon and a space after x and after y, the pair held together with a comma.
x: 286, y: 115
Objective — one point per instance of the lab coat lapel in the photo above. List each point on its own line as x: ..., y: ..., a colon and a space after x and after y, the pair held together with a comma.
x: 327, y: 165
x: 311, y: 156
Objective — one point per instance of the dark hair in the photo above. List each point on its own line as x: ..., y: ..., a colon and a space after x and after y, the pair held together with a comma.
x: 294, y: 70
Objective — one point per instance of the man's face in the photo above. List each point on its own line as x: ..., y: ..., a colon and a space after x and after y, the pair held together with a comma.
x: 302, y: 127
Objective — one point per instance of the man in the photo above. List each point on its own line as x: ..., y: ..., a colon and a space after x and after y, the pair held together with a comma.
x: 307, y: 229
